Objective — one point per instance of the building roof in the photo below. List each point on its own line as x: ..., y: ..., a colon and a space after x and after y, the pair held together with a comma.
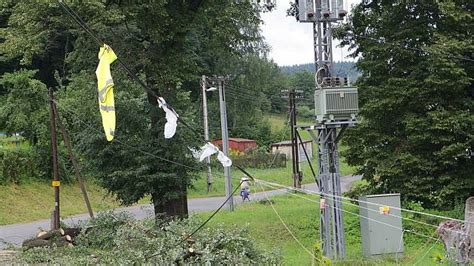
x: 288, y: 143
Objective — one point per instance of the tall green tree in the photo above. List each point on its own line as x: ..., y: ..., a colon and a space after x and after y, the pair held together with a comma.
x: 169, y: 44
x: 416, y: 116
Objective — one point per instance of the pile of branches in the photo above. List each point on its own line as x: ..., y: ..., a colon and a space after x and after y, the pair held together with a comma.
x: 113, y: 238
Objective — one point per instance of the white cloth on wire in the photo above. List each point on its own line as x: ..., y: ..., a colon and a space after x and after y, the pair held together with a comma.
x: 207, y: 150
x: 225, y: 161
x: 210, y: 149
x: 171, y: 119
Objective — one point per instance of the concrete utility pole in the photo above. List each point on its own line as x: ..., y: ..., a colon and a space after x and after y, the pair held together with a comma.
x: 54, y: 150
x: 225, y: 141
x: 206, y: 130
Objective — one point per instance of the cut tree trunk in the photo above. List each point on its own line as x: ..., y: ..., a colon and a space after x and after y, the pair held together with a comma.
x: 33, y: 243
x: 53, y: 233
x: 73, y: 232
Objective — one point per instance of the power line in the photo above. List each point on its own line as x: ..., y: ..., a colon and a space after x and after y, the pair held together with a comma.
x: 384, y: 41
x: 286, y: 226
x: 129, y: 71
x: 75, y: 116
x: 359, y: 215
x: 205, y: 222
x: 132, y: 74
x: 367, y: 202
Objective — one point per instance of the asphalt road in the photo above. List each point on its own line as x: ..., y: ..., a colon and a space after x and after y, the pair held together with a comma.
x: 16, y: 233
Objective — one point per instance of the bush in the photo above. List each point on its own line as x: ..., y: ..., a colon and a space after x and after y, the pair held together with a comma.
x: 17, y: 166
x: 21, y: 165
x: 259, y: 159
x: 117, y: 239
x: 306, y: 112
x: 359, y: 188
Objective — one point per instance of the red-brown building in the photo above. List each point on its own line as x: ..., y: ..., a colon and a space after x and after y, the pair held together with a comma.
x: 238, y: 144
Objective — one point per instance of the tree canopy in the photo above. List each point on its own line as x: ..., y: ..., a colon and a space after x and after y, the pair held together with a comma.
x: 169, y: 44
x: 416, y: 116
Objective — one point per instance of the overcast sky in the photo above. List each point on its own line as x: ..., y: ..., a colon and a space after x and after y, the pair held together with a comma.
x: 291, y: 41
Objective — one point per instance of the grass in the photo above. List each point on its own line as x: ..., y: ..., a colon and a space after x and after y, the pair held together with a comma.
x: 302, y: 217
x: 276, y: 175
x: 13, y: 143
x: 17, y: 207
x: 34, y: 200
x: 16, y: 200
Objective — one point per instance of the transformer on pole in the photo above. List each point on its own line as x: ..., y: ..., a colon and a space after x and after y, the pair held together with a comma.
x: 336, y: 106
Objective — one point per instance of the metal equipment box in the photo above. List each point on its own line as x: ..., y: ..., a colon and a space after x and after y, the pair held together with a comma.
x: 306, y: 11
x: 381, y: 224
x: 336, y: 104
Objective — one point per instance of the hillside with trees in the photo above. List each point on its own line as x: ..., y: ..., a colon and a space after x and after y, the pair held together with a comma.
x: 341, y: 68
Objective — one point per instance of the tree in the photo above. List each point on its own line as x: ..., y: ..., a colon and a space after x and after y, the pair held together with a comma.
x: 305, y: 82
x: 169, y: 44
x: 416, y: 100
x: 24, y: 109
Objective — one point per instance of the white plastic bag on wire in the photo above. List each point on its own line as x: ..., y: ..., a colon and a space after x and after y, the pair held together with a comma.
x: 209, y: 149
x: 171, y: 119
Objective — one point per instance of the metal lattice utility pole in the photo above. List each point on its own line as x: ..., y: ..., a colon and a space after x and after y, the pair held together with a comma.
x: 333, y: 112
x: 206, y: 130
x: 225, y: 141
x: 54, y: 151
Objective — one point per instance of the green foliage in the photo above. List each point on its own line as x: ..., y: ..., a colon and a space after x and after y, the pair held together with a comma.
x: 359, y: 188
x: 260, y: 159
x: 341, y: 69
x: 114, y: 238
x: 305, y: 112
x: 17, y: 166
x: 319, y: 259
x: 186, y: 40
x: 101, y: 231
x: 416, y: 100
x: 25, y: 108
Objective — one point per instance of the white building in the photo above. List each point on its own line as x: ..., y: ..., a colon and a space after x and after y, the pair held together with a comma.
x: 285, y: 148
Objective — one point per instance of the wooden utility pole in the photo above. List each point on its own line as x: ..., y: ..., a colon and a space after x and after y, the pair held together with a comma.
x: 54, y: 150
x: 297, y: 175
x: 77, y: 171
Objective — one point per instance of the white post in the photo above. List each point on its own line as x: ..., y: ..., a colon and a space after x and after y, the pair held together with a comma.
x: 206, y: 131
x: 225, y: 143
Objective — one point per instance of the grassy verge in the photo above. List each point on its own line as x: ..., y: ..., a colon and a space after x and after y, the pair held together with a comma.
x: 33, y: 201
x: 16, y: 200
x: 276, y: 175
x: 302, y: 217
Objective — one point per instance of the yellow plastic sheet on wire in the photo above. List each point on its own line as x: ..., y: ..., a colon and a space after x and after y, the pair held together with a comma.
x: 105, y: 86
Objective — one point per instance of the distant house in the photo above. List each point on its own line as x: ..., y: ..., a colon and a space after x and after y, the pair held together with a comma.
x: 238, y: 144
x: 285, y: 148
